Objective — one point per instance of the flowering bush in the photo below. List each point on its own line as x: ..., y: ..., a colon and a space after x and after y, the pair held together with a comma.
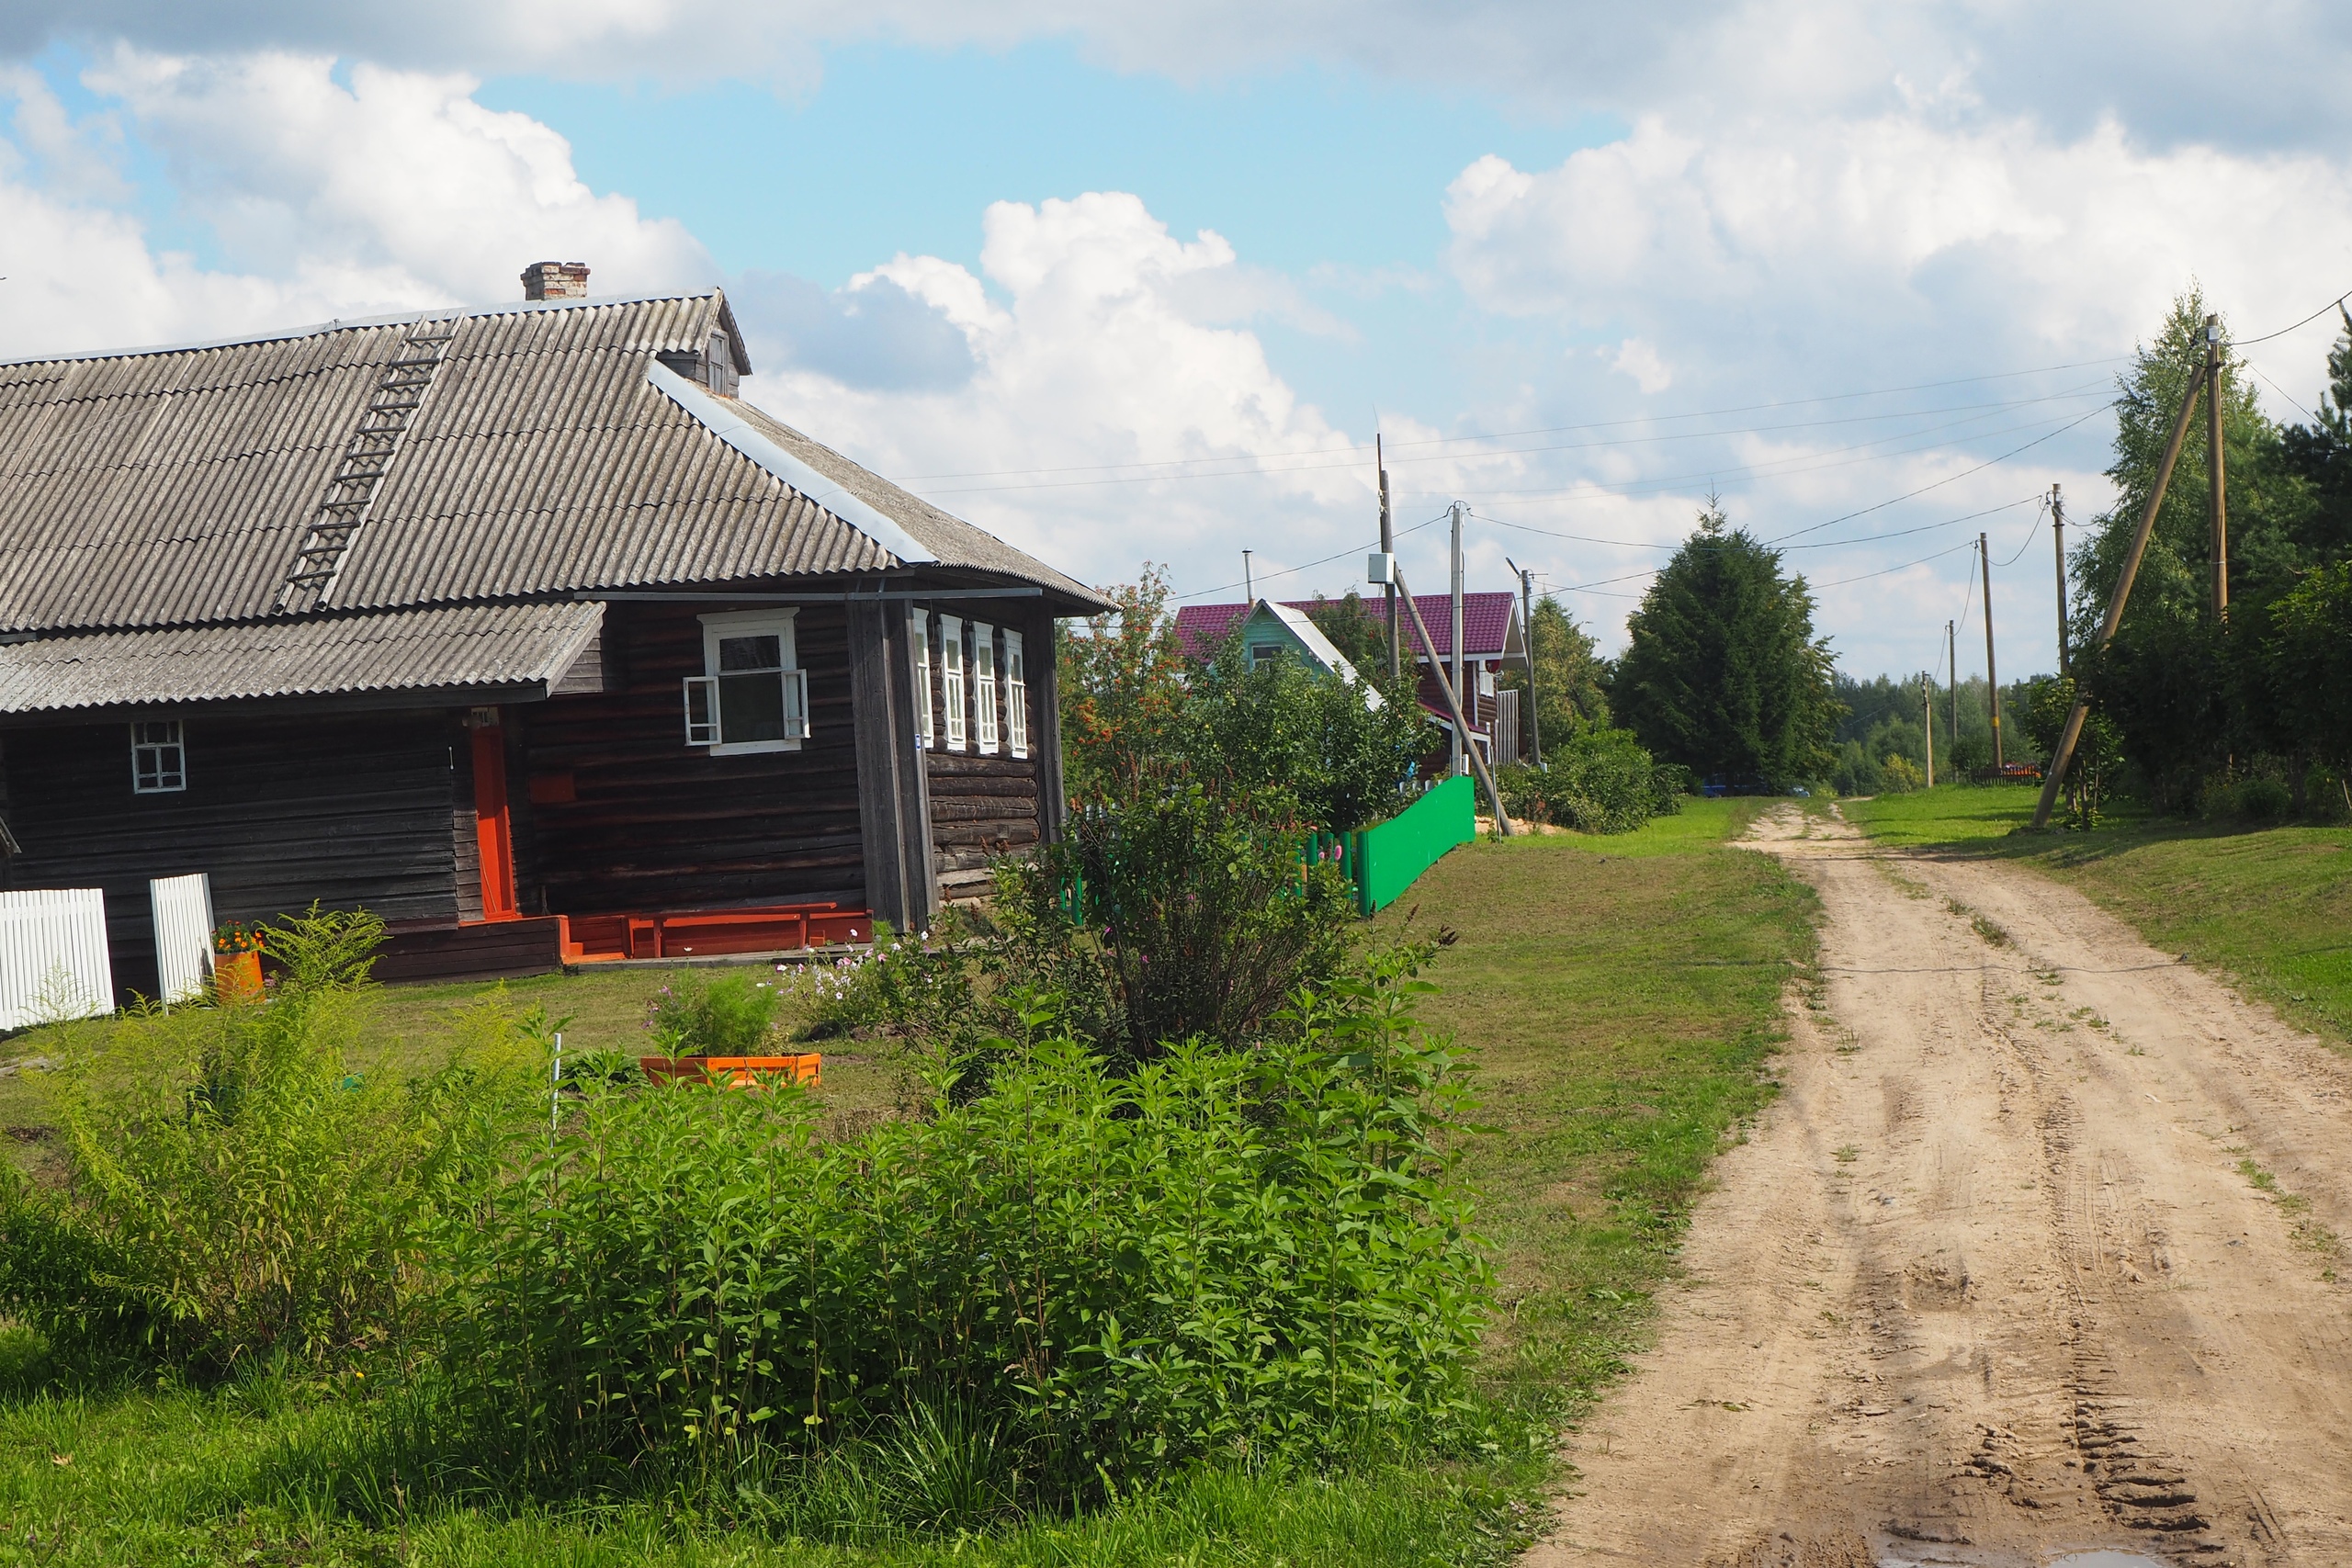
x: 727, y: 1017
x: 235, y: 937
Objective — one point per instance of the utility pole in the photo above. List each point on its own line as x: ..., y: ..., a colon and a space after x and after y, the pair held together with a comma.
x: 1453, y: 705
x: 1460, y: 736
x: 2058, y: 532
x: 1387, y: 547
x: 2073, y: 733
x: 1951, y: 691
x: 1246, y: 585
x: 1992, y: 680
x: 1527, y: 629
x: 1928, y: 701
x: 2219, y: 504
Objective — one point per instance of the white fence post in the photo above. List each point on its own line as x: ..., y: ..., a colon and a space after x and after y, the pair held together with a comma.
x: 53, y: 958
x: 183, y: 907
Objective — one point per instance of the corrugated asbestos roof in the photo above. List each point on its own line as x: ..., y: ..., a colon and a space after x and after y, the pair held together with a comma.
x: 448, y: 649
x: 173, y: 486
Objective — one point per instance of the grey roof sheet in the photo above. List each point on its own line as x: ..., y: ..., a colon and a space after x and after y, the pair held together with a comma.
x: 173, y: 486
x: 453, y: 647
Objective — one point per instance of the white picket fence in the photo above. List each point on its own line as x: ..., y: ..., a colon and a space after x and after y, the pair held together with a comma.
x: 183, y: 907
x: 53, y: 959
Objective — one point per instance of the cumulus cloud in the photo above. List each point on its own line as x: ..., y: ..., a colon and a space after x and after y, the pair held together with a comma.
x: 394, y: 192
x: 1104, y: 358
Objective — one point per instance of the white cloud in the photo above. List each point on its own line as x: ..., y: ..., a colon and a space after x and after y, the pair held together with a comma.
x: 1640, y: 360
x: 395, y: 192
x: 1104, y: 354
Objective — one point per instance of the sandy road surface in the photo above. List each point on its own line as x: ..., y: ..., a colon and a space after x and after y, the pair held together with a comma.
x: 1991, y: 1283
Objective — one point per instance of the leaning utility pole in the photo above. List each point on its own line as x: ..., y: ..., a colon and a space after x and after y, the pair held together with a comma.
x: 1928, y: 701
x: 1527, y: 630
x: 1452, y: 703
x: 1387, y: 547
x: 1460, y: 736
x: 1992, y: 680
x: 2058, y: 532
x: 2065, y: 756
x: 2219, y: 503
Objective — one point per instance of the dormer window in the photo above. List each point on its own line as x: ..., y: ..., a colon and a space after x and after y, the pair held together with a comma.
x: 713, y: 368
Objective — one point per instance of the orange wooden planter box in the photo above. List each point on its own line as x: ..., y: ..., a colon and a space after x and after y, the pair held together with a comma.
x: 736, y: 1072
x: 236, y: 977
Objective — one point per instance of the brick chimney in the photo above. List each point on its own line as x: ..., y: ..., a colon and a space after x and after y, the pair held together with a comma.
x: 555, y: 280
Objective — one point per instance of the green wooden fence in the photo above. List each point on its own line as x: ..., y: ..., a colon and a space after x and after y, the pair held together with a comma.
x: 1386, y: 858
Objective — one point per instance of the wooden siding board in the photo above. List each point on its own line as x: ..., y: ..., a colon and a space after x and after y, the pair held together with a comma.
x: 351, y: 813
x: 658, y: 824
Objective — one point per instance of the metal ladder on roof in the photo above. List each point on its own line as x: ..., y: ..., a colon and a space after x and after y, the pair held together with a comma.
x: 391, y: 408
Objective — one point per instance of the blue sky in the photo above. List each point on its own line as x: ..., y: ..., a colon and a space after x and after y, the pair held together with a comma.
x: 1129, y: 284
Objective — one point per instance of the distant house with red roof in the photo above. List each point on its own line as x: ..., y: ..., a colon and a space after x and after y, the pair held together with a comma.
x: 1494, y: 638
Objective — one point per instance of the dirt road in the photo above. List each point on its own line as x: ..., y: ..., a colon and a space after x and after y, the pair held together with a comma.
x: 2037, y: 1254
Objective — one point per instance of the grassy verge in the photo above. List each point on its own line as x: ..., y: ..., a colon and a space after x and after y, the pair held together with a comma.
x: 1622, y: 994
x: 2271, y: 907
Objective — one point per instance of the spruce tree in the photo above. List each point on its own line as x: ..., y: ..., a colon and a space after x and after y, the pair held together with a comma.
x: 1723, y: 673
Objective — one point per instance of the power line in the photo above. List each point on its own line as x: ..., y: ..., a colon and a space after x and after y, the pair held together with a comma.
x: 1309, y: 566
x: 2282, y: 331
x: 1950, y: 480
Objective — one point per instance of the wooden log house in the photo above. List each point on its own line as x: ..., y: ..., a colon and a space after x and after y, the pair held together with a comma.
x: 515, y: 625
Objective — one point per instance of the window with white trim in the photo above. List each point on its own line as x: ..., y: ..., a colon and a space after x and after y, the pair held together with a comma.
x: 951, y: 676
x: 984, y: 683
x: 1016, y: 694
x: 158, y: 757
x: 752, y: 695
x: 919, y: 642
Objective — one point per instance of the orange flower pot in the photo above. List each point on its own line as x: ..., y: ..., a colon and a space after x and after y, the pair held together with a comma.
x: 735, y: 1072
x: 236, y: 977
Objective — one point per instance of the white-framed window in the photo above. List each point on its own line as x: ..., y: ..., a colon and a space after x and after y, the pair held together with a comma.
x: 752, y: 695
x: 1016, y: 694
x: 951, y: 676
x: 983, y: 684
x: 919, y: 642
x: 158, y: 757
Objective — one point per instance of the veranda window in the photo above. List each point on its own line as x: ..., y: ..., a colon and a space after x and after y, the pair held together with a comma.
x: 753, y: 695
x: 158, y: 757
x: 984, y: 683
x: 1016, y: 694
x: 951, y: 670
x: 919, y: 640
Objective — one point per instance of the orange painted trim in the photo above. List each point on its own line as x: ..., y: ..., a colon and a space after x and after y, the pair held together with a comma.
x: 493, y: 830
x: 736, y: 1072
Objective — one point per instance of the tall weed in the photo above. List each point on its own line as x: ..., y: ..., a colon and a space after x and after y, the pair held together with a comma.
x: 1075, y: 1277
x: 258, y: 1191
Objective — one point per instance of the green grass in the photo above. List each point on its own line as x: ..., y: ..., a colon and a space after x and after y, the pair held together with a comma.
x: 2270, y: 908
x: 1623, y: 995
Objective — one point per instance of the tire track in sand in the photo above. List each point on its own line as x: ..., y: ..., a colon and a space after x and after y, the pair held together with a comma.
x: 1989, y: 1282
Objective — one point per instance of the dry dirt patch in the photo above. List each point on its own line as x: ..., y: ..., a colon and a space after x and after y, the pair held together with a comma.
x: 2038, y: 1253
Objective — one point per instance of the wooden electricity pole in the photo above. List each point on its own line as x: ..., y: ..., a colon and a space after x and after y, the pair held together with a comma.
x: 1388, y: 548
x: 2058, y: 532
x: 1453, y: 705
x: 2065, y: 756
x: 1992, y: 680
x: 1951, y: 689
x: 1928, y: 701
x: 1527, y: 630
x: 2219, y: 503
x: 1461, y: 742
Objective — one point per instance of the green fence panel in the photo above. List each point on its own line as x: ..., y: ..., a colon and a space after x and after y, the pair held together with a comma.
x: 1390, y: 857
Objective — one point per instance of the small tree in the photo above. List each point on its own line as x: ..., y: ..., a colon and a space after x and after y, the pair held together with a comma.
x: 1721, y: 673
x: 1122, y: 692
x: 1338, y: 748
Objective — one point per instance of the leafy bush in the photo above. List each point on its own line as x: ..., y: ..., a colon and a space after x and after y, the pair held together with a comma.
x: 1339, y: 748
x: 1600, y: 781
x: 255, y: 1192
x: 730, y: 1016
x: 1898, y: 776
x: 1077, y: 1275
x: 1190, y: 914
